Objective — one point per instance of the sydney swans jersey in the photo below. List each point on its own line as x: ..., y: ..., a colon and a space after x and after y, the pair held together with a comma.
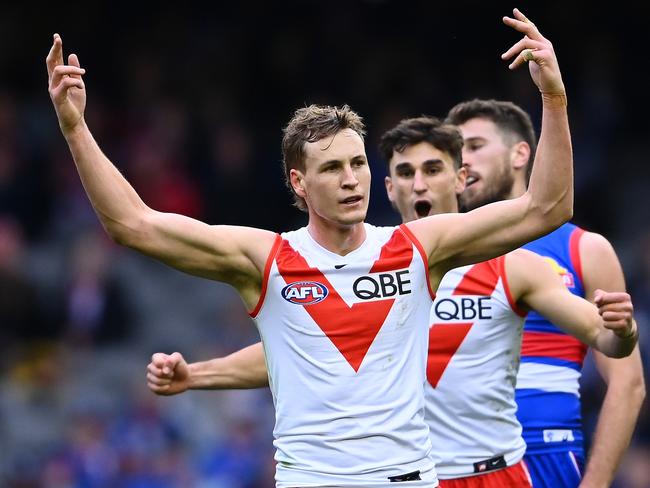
x: 474, y: 344
x: 345, y: 339
x: 551, y: 361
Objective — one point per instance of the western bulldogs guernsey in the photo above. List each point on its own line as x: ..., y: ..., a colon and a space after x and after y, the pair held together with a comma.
x: 345, y: 339
x: 547, y: 385
x: 474, y: 344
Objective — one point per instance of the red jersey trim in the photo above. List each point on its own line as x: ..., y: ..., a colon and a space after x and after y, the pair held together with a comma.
x: 501, y: 262
x: 551, y: 345
x: 574, y: 251
x: 425, y: 259
x: 265, y: 278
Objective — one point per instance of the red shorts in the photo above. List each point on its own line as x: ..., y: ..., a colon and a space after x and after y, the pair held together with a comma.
x: 513, y: 477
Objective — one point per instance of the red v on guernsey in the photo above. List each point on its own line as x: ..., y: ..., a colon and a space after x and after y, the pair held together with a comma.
x: 353, y: 329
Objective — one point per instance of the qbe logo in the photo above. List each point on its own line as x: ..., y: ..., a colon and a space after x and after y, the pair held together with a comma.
x: 465, y: 308
x: 382, y: 285
x: 305, y: 292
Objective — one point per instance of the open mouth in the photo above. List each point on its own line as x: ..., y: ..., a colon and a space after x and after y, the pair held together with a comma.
x: 422, y: 208
x: 471, y: 179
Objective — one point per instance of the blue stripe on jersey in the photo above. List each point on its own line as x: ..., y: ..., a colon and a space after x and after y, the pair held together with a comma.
x: 542, y: 410
x: 542, y: 326
x: 552, y: 362
x: 539, y: 409
x: 556, y: 247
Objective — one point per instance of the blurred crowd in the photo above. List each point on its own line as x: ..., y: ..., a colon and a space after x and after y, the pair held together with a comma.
x: 190, y: 106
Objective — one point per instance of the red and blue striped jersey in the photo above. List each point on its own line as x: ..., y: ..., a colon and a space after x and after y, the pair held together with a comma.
x: 548, y: 395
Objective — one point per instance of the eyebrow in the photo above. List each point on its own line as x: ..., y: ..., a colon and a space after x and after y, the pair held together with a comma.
x: 433, y: 162
x: 338, y: 161
x: 428, y: 162
x: 475, y: 138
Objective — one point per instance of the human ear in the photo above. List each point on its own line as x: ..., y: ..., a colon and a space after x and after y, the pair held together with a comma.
x: 297, y: 182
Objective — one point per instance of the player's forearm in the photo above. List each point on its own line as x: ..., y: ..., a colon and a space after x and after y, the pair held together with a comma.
x: 243, y: 369
x: 551, y: 181
x: 614, y: 429
x: 614, y: 346
x: 115, y: 201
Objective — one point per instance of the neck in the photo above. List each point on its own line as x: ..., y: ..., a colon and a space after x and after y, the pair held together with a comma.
x: 337, y: 238
x: 518, y: 188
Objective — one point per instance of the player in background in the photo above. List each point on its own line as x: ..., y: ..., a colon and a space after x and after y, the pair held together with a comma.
x: 498, y: 152
x: 476, y: 325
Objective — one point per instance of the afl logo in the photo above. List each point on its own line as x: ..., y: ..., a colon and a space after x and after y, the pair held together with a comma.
x: 304, y: 292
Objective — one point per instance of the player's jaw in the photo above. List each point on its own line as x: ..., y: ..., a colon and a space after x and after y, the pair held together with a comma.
x: 352, y: 208
x: 482, y: 190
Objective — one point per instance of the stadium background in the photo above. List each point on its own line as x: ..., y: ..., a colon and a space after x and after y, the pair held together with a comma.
x: 189, y: 102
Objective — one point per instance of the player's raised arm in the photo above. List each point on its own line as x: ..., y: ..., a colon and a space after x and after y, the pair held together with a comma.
x: 232, y: 254
x: 608, y: 327
x: 453, y: 240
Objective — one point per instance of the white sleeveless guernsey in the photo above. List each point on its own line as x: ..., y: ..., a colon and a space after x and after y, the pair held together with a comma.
x: 474, y: 345
x: 345, y: 339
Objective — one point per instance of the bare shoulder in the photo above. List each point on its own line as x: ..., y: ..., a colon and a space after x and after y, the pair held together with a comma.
x: 595, y: 246
x: 429, y: 229
x: 251, y: 249
x: 601, y: 267
x: 430, y: 232
x: 527, y: 271
x: 256, y: 244
x: 525, y: 262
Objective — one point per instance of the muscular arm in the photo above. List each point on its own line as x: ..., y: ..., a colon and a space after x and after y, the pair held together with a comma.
x: 536, y: 286
x: 231, y: 254
x: 244, y: 369
x: 453, y: 240
x: 624, y: 377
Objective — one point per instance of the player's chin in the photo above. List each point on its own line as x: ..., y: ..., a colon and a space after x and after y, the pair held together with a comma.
x: 353, y: 216
x: 350, y: 221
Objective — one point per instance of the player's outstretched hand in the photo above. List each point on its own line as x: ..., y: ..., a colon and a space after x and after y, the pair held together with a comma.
x: 617, y: 312
x: 66, y: 86
x: 167, y: 374
x: 538, y: 52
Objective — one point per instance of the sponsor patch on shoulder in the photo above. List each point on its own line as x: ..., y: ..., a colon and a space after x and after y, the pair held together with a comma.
x: 305, y: 292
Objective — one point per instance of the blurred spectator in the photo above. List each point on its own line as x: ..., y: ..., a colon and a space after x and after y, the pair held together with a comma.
x: 20, y: 315
x: 97, y: 310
